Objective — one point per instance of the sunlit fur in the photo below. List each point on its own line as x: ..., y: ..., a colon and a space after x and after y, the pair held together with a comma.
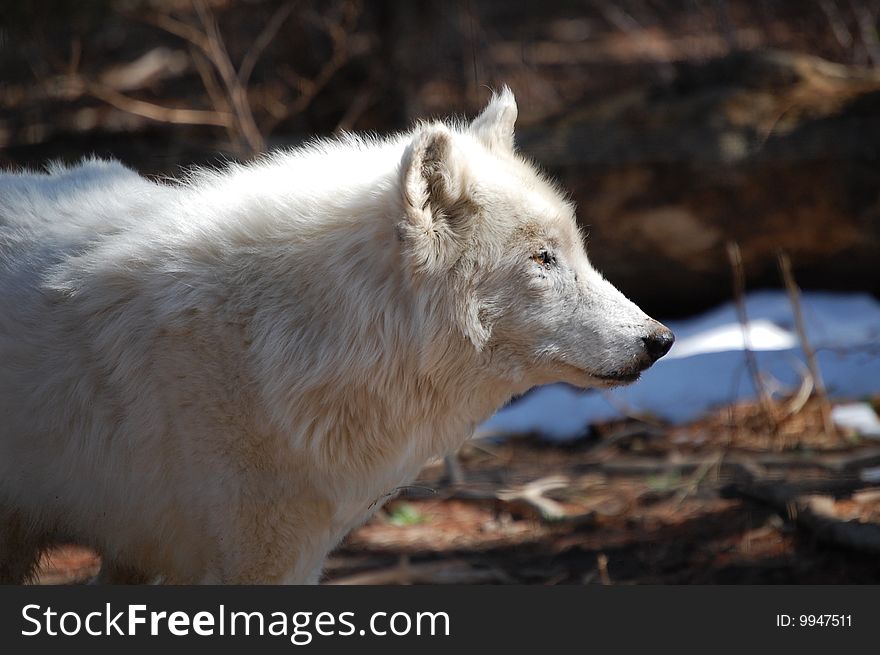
x: 215, y: 379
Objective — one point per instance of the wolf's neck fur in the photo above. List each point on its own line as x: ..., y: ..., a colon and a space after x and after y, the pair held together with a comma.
x: 376, y: 352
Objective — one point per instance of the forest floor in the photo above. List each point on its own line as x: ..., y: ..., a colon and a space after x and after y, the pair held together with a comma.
x: 724, y: 500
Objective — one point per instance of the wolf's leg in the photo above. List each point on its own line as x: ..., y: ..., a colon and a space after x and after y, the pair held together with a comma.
x: 21, y: 545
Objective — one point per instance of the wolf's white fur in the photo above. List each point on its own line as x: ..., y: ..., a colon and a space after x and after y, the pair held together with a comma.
x: 215, y: 380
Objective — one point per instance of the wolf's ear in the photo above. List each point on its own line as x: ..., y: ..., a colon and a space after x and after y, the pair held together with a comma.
x: 438, y: 211
x: 494, y: 126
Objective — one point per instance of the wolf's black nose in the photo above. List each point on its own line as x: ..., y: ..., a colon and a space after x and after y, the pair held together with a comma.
x: 658, y: 343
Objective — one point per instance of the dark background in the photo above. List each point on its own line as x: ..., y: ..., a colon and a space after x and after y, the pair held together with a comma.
x: 678, y: 127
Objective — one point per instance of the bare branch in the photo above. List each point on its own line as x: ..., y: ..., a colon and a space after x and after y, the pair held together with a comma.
x: 266, y: 36
x: 215, y: 93
x: 153, y: 111
x: 209, y: 80
x: 794, y: 295
x: 739, y: 285
x: 227, y: 87
x: 219, y: 56
x: 339, y: 33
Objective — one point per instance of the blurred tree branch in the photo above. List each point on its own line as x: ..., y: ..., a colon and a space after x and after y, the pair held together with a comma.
x: 154, y: 111
x: 270, y: 31
x: 209, y: 40
x: 338, y: 30
x: 227, y: 87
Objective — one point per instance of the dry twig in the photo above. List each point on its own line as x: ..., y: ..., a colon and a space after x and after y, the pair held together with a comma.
x: 794, y: 295
x: 226, y: 86
x: 532, y: 494
x: 602, y: 566
x: 310, y: 87
x: 153, y: 111
x: 266, y: 36
x: 215, y: 49
x: 739, y: 285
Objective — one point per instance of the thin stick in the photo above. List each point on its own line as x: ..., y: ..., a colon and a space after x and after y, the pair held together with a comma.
x: 739, y: 286
x: 602, y: 566
x: 215, y: 49
x: 209, y: 40
x: 216, y: 95
x: 338, y: 33
x: 266, y: 36
x: 156, y: 112
x: 794, y: 296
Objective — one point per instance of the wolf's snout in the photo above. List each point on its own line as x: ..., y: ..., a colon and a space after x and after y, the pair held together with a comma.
x: 658, y: 343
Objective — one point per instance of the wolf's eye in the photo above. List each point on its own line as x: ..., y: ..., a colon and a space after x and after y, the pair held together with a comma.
x: 544, y: 258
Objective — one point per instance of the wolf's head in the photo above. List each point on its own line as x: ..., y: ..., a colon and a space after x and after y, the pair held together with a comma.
x: 501, y: 241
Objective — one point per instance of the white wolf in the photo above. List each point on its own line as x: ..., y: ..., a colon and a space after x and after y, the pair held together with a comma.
x: 215, y: 380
